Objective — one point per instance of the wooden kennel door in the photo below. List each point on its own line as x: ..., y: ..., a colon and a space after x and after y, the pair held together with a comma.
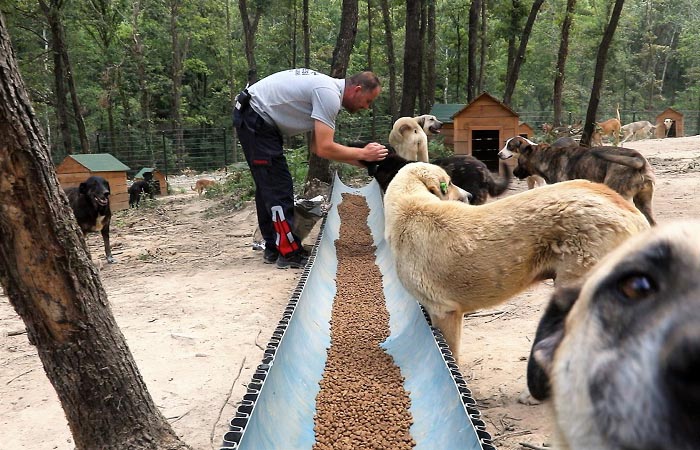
x: 485, y: 146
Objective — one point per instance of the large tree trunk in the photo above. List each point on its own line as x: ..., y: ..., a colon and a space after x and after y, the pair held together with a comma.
x: 482, y: 52
x: 391, y: 59
x: 250, y: 28
x: 422, y: 38
x: 429, y: 52
x: 411, y: 59
x: 514, y: 72
x: 307, y: 34
x: 179, y: 52
x: 53, y: 19
x: 319, y: 168
x: 561, y: 61
x: 600, y: 62
x: 47, y: 275
x: 473, y: 33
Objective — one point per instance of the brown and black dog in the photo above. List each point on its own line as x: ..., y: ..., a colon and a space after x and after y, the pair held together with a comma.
x: 90, y: 204
x: 624, y: 170
x: 466, y: 172
x: 618, y: 354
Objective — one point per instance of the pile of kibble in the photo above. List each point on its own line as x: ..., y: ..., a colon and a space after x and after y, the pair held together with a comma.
x: 362, y: 403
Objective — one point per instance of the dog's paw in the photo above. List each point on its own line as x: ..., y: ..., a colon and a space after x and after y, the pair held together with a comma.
x: 111, y: 260
x: 526, y: 398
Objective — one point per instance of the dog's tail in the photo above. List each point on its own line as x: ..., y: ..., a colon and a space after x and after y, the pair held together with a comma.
x: 192, y: 187
x: 628, y: 158
x: 498, y: 185
x: 618, y: 113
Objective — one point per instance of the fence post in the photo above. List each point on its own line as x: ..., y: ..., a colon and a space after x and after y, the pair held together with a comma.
x: 99, y: 149
x: 165, y: 156
x: 225, y: 151
x: 570, y: 122
x: 634, y: 116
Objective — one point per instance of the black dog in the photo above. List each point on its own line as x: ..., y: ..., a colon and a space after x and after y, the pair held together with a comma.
x: 138, y: 189
x: 90, y: 203
x: 466, y: 172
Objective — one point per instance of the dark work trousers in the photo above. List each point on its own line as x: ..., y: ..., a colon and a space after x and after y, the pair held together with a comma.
x: 274, y: 188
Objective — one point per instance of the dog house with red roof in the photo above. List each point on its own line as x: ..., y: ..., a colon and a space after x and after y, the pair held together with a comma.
x: 675, y: 123
x: 74, y: 169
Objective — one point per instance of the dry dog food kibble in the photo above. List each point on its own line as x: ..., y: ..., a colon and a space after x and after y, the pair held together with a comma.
x: 362, y: 403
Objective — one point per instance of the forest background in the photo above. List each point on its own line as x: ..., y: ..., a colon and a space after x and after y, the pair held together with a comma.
x: 141, y: 78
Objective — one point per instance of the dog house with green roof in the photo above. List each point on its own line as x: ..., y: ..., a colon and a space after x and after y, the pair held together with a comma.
x: 157, y: 177
x: 74, y: 169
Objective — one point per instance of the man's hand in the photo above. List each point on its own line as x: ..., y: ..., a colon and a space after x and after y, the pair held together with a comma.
x: 374, y: 152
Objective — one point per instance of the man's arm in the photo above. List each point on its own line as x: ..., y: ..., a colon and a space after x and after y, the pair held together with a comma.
x: 324, y: 146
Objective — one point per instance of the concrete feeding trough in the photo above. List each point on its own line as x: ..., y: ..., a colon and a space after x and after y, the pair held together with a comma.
x: 278, y: 410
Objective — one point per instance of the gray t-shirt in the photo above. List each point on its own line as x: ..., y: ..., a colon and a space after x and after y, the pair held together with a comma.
x: 293, y: 99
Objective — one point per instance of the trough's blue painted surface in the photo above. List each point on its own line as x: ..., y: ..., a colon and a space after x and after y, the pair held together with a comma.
x: 282, y: 416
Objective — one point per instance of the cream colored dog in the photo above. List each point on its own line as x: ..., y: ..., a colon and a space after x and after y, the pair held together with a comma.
x: 457, y: 258
x: 409, y: 139
x: 621, y: 351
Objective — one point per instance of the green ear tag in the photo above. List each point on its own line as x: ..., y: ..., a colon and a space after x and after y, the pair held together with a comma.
x: 443, y: 188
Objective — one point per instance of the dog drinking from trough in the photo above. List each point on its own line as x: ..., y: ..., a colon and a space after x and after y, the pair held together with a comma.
x: 624, y: 170
x: 618, y: 355
x: 457, y: 258
x: 90, y: 204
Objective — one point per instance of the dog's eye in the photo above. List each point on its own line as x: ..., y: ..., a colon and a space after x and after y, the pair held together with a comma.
x: 636, y: 286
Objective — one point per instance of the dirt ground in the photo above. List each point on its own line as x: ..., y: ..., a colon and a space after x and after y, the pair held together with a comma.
x: 197, y: 306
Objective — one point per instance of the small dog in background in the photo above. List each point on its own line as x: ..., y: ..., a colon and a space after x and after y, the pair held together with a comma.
x: 203, y: 185
x: 90, y: 204
x: 137, y: 190
x: 641, y: 129
x: 610, y: 128
x: 619, y: 354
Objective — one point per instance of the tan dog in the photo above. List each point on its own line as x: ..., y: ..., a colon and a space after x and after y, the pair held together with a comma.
x: 621, y: 352
x: 409, y: 140
x: 202, y: 185
x: 457, y: 258
x: 625, y: 170
x: 429, y: 123
x: 641, y: 129
x: 610, y: 127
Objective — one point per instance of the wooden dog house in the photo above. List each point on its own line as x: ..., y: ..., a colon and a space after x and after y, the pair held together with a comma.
x: 482, y: 127
x: 525, y: 130
x: 157, y: 176
x: 74, y: 169
x: 676, y: 129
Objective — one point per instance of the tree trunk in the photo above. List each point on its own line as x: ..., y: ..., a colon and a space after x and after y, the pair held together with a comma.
x: 473, y: 33
x: 512, y: 35
x: 250, y: 28
x: 370, y: 65
x: 429, y: 52
x: 422, y: 38
x: 391, y: 59
x: 319, y: 168
x: 514, y: 73
x: 482, y: 52
x: 53, y: 19
x: 307, y: 34
x: 561, y: 61
x: 411, y: 59
x: 50, y: 281
x: 179, y: 52
x: 600, y: 62
x: 77, y: 109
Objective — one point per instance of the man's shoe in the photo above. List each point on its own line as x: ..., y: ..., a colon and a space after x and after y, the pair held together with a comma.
x: 294, y: 260
x: 270, y: 255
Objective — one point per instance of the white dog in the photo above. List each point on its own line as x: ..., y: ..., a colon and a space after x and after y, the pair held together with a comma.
x: 457, y: 258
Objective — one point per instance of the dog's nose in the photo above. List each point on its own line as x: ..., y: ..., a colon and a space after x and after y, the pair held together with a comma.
x: 681, y: 365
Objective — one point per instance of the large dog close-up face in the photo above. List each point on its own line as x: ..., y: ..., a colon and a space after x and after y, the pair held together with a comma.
x: 624, y: 364
x: 97, y: 191
x: 437, y: 181
x: 429, y: 123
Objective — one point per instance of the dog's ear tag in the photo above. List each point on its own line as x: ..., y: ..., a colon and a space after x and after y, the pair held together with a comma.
x: 443, y: 187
